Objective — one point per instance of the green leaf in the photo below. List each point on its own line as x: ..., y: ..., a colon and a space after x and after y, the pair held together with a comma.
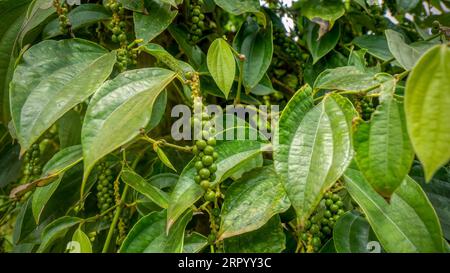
x: 148, y: 235
x: 55, y: 167
x: 347, y: 78
x: 352, y: 234
x: 426, y: 107
x: 221, y: 65
x: 383, y: 151
x: 264, y: 87
x: 164, y: 159
x: 69, y: 129
x: 41, y: 196
x: 165, y: 57
x: 159, y: 17
x: 407, y: 224
x: 158, y: 111
x: 134, y: 5
x: 259, y: 195
x: 405, y: 54
x: 320, y: 46
x: 327, y: 10
x: 55, y: 230
x: 194, y: 53
x: 407, y: 5
x: 238, y: 7
x: 83, y: 242
x: 312, y: 147
x: 79, y: 17
x: 118, y: 110
x: 376, y: 46
x: 257, y: 46
x: 232, y: 155
x: 53, y: 77
x: 61, y: 162
x: 142, y: 186
x: 194, y: 242
x: 38, y: 12
x: 10, y: 166
x: 269, y: 238
x: 438, y: 191
x: 13, y: 12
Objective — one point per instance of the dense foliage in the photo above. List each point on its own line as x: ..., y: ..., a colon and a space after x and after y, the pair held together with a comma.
x: 351, y: 143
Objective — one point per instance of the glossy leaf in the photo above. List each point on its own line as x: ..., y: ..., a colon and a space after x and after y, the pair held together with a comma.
x: 194, y: 53
x: 159, y: 17
x: 221, y: 65
x: 142, y: 186
x: 267, y: 239
x: 438, y: 191
x: 79, y: 17
x: 41, y: 196
x: 42, y: 80
x: 119, y: 109
x: 264, y: 87
x: 134, y: 5
x: 194, y: 242
x: 69, y: 129
x: 312, y: 148
x: 260, y: 195
x: 238, y: 7
x: 383, y: 151
x: 55, y: 230
x: 10, y: 166
x: 346, y: 78
x: 426, y: 107
x: 61, y: 161
x: 232, y: 155
x: 352, y: 234
x: 82, y: 241
x: 376, y: 46
x: 148, y: 235
x: 327, y: 10
x: 38, y: 12
x: 13, y: 12
x: 407, y: 5
x: 320, y: 47
x: 257, y: 46
x: 164, y: 159
x: 406, y: 55
x: 165, y: 57
x: 158, y: 111
x: 407, y: 224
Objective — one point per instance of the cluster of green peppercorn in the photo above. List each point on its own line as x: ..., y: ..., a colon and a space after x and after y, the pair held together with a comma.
x: 126, y: 57
x: 105, y: 189
x: 320, y: 225
x: 32, y: 163
x: 117, y: 25
x: 62, y: 10
x: 276, y: 98
x: 206, y: 156
x: 288, y: 45
x: 32, y: 160
x: 197, y: 20
x: 365, y: 107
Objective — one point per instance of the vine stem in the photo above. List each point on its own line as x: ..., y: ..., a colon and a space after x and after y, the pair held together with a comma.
x: 115, y: 219
x: 287, y: 88
x: 98, y: 216
x: 120, y: 205
x: 164, y: 143
x: 237, y: 99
